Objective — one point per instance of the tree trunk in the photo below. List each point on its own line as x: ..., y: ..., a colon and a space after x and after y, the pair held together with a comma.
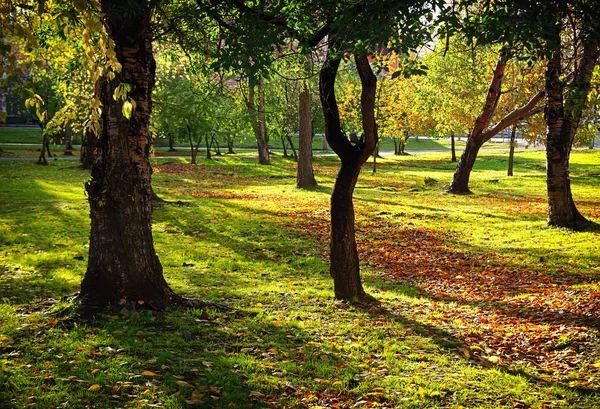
x: 123, y: 265
x: 344, y: 263
x: 511, y: 153
x: 396, y: 146
x: 207, y: 144
x: 290, y: 142
x: 215, y: 145
x: 259, y: 125
x: 453, y: 145
x: 88, y: 146
x: 283, y: 140
x: 305, y: 178
x: 562, y: 121
x: 375, y: 156
x: 68, y: 141
x: 460, y: 182
x: 193, y: 151
x: 230, y: 150
x: 171, y: 142
x: 481, y: 132
x: 42, y: 158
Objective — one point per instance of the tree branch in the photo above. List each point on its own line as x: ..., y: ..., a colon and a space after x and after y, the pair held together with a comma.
x: 518, y: 114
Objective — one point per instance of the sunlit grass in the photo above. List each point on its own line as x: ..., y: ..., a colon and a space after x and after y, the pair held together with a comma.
x: 251, y: 240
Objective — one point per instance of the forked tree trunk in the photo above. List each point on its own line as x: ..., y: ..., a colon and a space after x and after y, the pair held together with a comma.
x: 460, y: 182
x: 511, y: 153
x: 215, y: 145
x: 123, y: 265
x: 480, y: 133
x: 305, y: 178
x: 344, y: 263
x: 562, y: 121
x: 290, y: 142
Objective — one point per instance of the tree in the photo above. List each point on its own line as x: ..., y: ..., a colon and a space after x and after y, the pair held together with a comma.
x: 482, y: 132
x: 305, y: 177
x: 351, y: 28
x: 566, y: 33
x: 257, y: 115
x: 562, y: 119
x: 123, y: 265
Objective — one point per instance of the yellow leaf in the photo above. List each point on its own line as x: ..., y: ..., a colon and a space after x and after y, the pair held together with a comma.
x: 94, y: 388
x: 493, y: 359
x: 127, y: 109
x: 182, y: 383
x: 148, y: 373
x: 94, y: 371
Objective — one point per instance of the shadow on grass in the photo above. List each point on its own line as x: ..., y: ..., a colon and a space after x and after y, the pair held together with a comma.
x: 48, y: 230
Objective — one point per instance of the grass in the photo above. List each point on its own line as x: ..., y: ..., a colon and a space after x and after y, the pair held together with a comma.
x: 11, y: 134
x: 480, y: 304
x: 29, y: 140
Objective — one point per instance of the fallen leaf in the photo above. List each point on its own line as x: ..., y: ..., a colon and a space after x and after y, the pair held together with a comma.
x: 94, y: 388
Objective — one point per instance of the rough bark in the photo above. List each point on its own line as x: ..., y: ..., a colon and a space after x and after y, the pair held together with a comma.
x: 123, y: 265
x: 453, y: 146
x: 305, y: 178
x: 88, y: 146
x: 562, y: 120
x: 344, y: 263
x: 481, y: 131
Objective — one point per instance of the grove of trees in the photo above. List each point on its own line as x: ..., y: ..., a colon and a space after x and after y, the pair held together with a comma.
x: 208, y: 73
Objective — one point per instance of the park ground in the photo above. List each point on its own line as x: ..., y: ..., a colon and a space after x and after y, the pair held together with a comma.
x: 479, y: 303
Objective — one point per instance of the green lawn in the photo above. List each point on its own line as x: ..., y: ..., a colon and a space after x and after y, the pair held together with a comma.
x: 481, y: 305
x: 10, y: 134
x: 33, y: 137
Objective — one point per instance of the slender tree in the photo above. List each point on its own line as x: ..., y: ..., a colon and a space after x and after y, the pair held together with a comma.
x: 305, y: 177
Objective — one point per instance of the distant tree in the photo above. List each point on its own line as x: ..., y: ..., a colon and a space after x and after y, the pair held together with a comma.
x: 305, y: 177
